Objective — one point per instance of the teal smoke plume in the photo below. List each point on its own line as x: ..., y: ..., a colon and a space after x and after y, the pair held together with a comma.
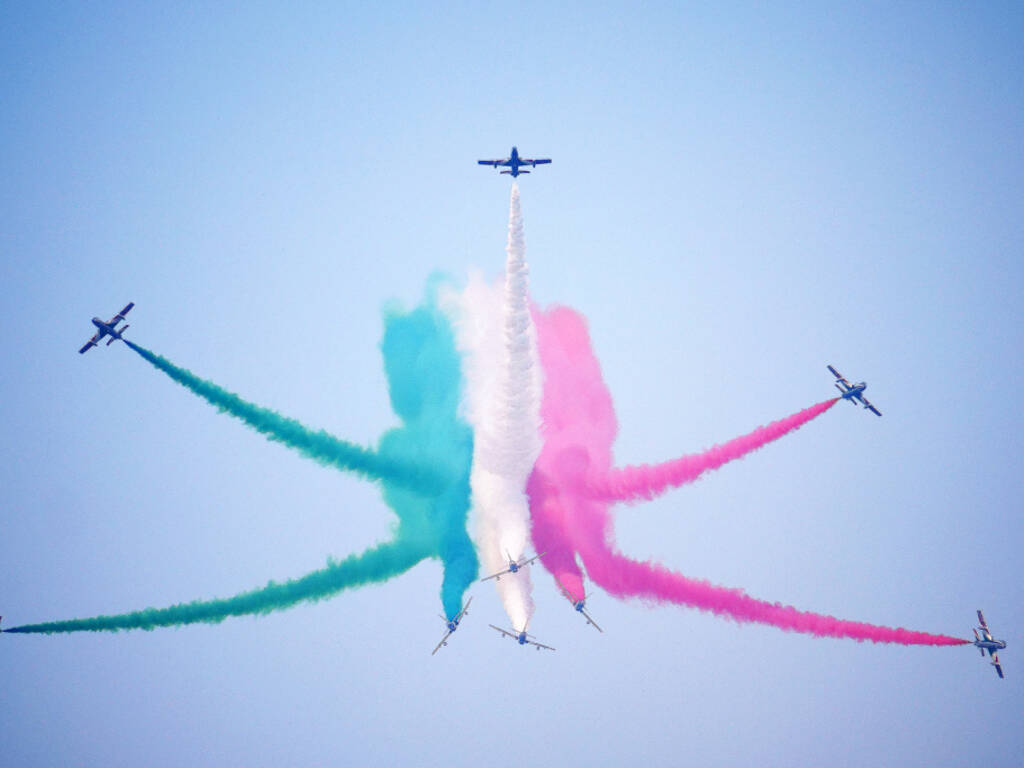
x: 425, y: 381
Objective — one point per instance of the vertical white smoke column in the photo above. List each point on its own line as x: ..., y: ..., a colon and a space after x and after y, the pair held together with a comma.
x: 504, y: 387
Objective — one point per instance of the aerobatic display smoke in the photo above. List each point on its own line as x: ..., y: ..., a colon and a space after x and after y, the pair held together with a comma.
x: 579, y: 428
x: 648, y: 481
x: 496, y: 335
x: 317, y: 445
x: 535, y: 459
x: 425, y: 383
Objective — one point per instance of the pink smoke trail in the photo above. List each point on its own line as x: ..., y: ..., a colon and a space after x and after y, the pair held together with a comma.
x: 579, y: 427
x: 647, y: 481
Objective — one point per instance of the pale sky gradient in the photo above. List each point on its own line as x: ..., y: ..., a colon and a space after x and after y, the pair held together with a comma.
x: 740, y: 195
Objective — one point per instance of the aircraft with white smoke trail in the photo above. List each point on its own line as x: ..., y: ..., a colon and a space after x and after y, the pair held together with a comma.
x: 985, y: 642
x: 513, y: 566
x: 578, y: 605
x: 853, y: 392
x: 107, y: 329
x: 452, y: 625
x: 514, y: 163
x: 522, y: 637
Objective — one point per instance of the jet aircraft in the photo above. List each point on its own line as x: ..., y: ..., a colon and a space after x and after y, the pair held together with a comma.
x: 513, y: 566
x: 985, y: 642
x: 514, y: 163
x: 521, y: 637
x: 853, y: 392
x: 452, y: 625
x: 578, y: 605
x: 107, y: 329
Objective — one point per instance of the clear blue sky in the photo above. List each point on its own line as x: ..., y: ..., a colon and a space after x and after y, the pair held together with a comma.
x: 740, y: 194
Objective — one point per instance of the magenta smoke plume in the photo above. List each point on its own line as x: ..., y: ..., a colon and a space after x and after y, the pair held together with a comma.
x: 647, y: 481
x: 579, y: 428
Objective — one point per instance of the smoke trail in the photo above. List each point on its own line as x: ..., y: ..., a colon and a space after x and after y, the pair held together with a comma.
x: 377, y: 564
x: 497, y: 338
x: 424, y: 373
x: 580, y: 425
x: 646, y: 481
x: 319, y: 446
x: 425, y: 380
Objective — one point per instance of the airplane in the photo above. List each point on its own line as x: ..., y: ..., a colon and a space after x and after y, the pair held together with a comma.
x: 452, y: 625
x: 985, y: 642
x: 521, y: 637
x: 853, y: 392
x: 514, y: 162
x: 107, y: 329
x: 513, y: 566
x: 578, y: 604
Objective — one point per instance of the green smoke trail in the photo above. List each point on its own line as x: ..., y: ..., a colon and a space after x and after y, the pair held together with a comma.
x: 424, y: 372
x: 425, y: 381
x: 376, y: 564
x: 317, y: 445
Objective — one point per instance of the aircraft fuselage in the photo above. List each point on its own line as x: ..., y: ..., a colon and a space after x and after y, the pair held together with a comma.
x: 106, y: 329
x: 854, y: 392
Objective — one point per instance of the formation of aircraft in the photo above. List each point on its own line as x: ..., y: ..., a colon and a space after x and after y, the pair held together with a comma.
x: 853, y: 392
x: 578, y: 605
x: 521, y: 637
x: 107, y: 329
x: 513, y: 566
x: 452, y: 625
x: 514, y: 163
x: 985, y: 642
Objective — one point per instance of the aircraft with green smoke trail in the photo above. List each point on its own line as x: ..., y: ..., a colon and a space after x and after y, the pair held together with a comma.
x: 452, y: 625
x: 107, y: 329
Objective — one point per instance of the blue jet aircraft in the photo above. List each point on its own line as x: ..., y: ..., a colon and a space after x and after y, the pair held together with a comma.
x: 452, y: 625
x: 578, y: 605
x: 513, y: 566
x: 521, y: 637
x: 985, y: 642
x: 107, y: 329
x: 514, y: 162
x: 853, y: 392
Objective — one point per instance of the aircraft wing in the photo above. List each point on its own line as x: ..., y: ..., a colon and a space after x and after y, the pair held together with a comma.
x: 464, y: 611
x: 870, y: 407
x: 120, y: 315
x: 526, y: 161
x: 565, y: 591
x: 497, y: 575
x: 444, y: 641
x: 540, y: 645
x: 532, y: 559
x: 494, y: 163
x: 839, y: 376
x: 996, y: 664
x: 591, y: 621
x: 981, y: 619
x: 505, y: 632
x: 90, y: 343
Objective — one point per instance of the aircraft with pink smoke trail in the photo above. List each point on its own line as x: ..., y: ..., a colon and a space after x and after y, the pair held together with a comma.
x: 522, y: 637
x: 452, y: 625
x: 985, y: 642
x: 513, y: 566
x: 853, y: 392
x: 578, y: 605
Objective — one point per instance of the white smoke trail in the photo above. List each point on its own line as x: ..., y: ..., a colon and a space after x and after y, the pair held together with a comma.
x: 502, y: 369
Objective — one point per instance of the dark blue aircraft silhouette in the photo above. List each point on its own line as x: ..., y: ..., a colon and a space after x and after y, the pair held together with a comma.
x: 107, y: 329
x: 514, y: 162
x: 522, y: 637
